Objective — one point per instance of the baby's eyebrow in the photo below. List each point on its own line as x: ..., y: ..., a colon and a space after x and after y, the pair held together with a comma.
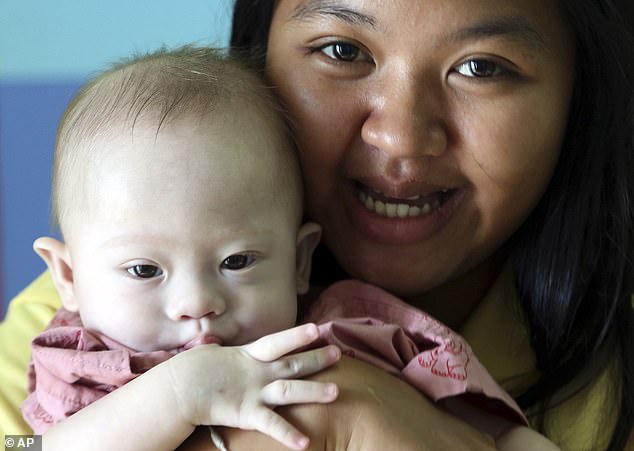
x: 125, y: 240
x: 515, y: 28
x: 312, y: 9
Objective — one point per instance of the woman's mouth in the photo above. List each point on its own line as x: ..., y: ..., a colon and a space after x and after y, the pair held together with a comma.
x: 405, y: 216
x: 410, y: 207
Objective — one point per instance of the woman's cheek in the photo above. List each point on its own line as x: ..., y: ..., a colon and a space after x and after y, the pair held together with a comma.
x: 512, y: 175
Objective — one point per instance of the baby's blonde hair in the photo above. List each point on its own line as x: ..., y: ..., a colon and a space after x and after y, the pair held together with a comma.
x: 159, y: 88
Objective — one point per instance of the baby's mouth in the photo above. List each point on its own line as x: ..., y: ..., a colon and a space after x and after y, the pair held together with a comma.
x: 204, y: 339
x: 410, y: 207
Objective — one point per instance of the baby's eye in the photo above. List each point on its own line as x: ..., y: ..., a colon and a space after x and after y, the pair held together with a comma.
x: 145, y: 271
x: 237, y: 262
x: 480, y: 68
x: 345, y: 52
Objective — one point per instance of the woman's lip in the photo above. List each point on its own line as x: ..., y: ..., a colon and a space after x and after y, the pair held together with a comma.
x: 401, y: 190
x: 204, y: 339
x: 398, y: 230
x: 431, y: 199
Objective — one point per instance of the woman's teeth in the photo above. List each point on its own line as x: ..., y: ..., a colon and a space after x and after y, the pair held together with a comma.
x: 397, y: 210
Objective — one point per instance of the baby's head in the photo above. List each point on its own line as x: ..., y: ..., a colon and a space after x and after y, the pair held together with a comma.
x: 178, y: 195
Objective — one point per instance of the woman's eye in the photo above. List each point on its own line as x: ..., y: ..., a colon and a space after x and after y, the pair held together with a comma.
x: 237, y: 262
x: 145, y: 271
x: 342, y: 51
x: 480, y: 68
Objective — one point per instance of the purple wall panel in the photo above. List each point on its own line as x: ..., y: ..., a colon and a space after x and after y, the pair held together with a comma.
x: 29, y: 113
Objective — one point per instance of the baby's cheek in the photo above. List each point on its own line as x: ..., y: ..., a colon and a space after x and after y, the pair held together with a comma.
x: 268, y: 322
x: 284, y: 315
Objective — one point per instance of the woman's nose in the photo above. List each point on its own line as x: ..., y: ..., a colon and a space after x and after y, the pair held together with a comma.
x: 197, y: 302
x: 405, y: 118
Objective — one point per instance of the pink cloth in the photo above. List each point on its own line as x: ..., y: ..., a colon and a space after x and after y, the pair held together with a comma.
x: 74, y: 368
x: 370, y: 324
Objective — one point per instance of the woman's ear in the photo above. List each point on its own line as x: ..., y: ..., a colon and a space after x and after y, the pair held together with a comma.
x: 55, y: 255
x: 307, y: 240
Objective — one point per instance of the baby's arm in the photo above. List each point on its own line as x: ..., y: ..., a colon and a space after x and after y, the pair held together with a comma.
x: 214, y: 385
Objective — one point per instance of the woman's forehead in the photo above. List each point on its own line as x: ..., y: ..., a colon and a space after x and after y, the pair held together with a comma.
x: 535, y: 25
x: 374, y: 14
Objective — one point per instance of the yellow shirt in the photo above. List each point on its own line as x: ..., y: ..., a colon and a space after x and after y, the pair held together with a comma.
x: 584, y: 421
x: 27, y: 316
x: 504, y: 350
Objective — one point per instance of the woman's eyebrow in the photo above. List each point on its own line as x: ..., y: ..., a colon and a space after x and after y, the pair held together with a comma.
x: 514, y: 28
x: 312, y: 9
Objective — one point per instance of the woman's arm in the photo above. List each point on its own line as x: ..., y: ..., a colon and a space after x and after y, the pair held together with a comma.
x: 374, y: 411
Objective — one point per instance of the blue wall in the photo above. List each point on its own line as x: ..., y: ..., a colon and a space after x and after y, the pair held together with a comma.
x: 47, y: 50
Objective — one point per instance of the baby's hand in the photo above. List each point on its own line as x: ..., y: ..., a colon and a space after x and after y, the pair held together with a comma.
x: 239, y: 386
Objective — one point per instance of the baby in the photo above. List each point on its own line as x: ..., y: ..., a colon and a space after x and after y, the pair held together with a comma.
x: 178, y: 196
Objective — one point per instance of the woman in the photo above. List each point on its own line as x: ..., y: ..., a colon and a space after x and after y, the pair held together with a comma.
x: 465, y: 154
x: 374, y: 119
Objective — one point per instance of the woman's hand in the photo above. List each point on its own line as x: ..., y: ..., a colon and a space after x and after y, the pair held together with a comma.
x: 374, y: 411
x: 237, y: 386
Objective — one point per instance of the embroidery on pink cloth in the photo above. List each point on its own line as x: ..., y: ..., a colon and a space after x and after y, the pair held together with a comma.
x: 436, y: 346
x: 374, y: 326
x: 446, y: 361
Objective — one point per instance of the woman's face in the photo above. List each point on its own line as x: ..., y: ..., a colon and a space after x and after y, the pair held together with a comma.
x: 428, y: 129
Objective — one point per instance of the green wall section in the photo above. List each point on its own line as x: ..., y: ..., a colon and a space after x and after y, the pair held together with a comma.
x: 61, y: 39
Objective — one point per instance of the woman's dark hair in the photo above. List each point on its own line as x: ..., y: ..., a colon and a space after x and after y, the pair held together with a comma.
x: 250, y: 29
x: 573, y: 256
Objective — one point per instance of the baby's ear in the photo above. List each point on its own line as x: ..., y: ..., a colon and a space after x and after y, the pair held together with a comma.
x: 307, y: 240
x: 55, y: 254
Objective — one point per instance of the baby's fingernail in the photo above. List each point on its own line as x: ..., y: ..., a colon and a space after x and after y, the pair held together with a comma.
x: 311, y: 331
x: 334, y: 352
x: 331, y: 389
x: 302, y: 442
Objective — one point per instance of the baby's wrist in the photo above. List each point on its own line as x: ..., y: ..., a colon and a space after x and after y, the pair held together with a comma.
x: 169, y: 380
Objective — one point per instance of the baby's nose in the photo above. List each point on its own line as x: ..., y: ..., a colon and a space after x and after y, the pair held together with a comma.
x: 201, y: 302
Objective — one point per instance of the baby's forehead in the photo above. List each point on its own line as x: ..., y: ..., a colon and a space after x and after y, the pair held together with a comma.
x: 136, y: 122
x: 189, y: 148
x: 199, y: 170
x: 216, y: 155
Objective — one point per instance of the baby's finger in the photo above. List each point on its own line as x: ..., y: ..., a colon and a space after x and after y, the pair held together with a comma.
x: 274, y: 346
x: 269, y: 423
x: 283, y: 392
x: 305, y: 363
